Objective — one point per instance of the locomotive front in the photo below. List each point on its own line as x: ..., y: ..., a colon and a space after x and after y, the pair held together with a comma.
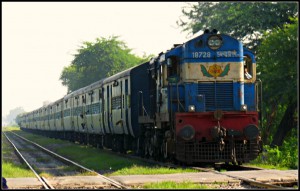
x: 212, y: 103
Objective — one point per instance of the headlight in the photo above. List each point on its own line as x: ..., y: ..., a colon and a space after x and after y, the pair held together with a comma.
x: 192, y: 108
x: 244, y: 107
x: 187, y: 132
x: 214, y: 42
x: 251, y: 131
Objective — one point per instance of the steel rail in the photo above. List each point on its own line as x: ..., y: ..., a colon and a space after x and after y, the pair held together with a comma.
x: 249, y: 181
x: 20, y: 155
x: 66, y: 160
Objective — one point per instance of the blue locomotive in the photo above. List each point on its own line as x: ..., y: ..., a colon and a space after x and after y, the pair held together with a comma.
x: 198, y: 102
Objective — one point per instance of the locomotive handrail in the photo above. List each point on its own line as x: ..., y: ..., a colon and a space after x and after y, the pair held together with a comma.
x: 259, y: 83
x: 143, y: 107
x: 178, y: 100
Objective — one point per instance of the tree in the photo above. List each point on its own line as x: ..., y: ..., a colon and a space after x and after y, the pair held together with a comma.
x: 278, y: 64
x: 248, y: 21
x: 245, y: 21
x: 11, y: 117
x: 95, y: 61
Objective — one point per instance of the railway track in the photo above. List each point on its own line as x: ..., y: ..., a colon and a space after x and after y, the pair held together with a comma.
x: 215, y: 169
x: 14, y: 139
x: 42, y: 180
x: 250, y: 182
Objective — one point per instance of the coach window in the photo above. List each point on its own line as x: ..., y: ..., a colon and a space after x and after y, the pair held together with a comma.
x: 83, y: 99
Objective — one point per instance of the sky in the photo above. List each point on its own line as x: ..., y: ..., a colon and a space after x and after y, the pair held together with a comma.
x: 39, y: 39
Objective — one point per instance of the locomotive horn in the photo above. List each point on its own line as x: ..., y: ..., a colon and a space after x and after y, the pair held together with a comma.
x: 206, y: 31
x: 214, y: 31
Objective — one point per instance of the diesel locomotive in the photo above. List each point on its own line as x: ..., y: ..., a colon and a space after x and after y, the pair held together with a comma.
x: 198, y: 102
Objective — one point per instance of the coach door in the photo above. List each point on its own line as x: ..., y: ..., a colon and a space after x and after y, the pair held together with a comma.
x: 100, y: 115
x: 96, y: 105
x: 76, y: 114
x: 82, y: 119
x: 90, y: 111
x: 117, y: 121
x: 107, y: 109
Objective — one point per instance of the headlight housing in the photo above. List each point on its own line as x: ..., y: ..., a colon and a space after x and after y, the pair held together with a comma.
x: 214, y: 42
x: 187, y: 133
x: 251, y: 131
x: 192, y: 108
x: 244, y: 107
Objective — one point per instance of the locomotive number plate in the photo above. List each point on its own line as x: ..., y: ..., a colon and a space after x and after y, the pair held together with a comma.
x: 227, y: 54
x: 201, y: 54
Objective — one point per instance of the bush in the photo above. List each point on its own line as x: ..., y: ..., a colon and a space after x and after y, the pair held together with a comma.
x: 284, y: 156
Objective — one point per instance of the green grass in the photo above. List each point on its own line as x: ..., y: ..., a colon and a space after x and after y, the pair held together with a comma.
x: 266, y: 166
x: 10, y: 128
x: 99, y: 160
x: 134, y: 169
x: 174, y: 185
x: 96, y: 159
x: 10, y: 170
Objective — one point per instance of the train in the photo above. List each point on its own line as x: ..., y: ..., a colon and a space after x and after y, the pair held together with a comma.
x: 199, y: 102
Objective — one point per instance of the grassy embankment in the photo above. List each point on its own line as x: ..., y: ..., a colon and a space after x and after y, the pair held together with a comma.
x: 112, y: 165
x: 96, y: 159
x: 11, y: 166
x: 92, y: 158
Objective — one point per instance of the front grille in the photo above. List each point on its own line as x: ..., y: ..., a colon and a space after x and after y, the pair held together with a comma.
x: 217, y: 95
x: 192, y: 152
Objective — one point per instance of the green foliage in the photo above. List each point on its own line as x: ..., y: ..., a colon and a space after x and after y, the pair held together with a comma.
x: 11, y: 117
x: 278, y: 62
x: 278, y: 66
x: 95, y: 61
x: 284, y: 156
x: 243, y: 20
